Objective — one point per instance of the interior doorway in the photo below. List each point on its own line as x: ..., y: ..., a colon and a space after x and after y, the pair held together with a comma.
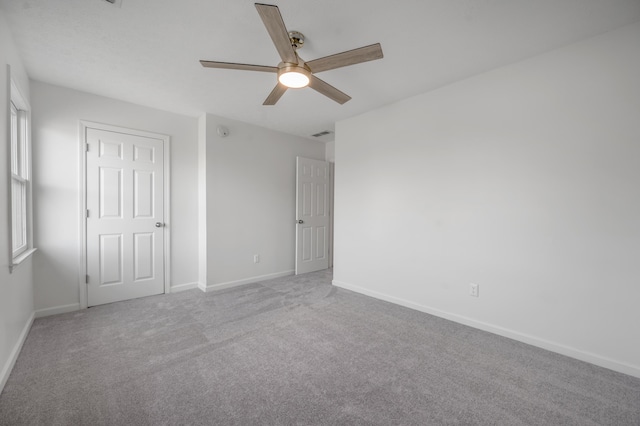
x: 313, y: 215
x: 126, y: 203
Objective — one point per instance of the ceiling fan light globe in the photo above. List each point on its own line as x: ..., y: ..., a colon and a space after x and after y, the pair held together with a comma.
x: 294, y: 80
x: 294, y: 77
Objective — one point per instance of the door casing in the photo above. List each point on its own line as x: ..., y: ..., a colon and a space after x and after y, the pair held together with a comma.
x: 82, y: 267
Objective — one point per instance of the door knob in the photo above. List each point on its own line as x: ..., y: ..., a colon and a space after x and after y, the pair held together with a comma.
x: 159, y: 224
x: 300, y: 221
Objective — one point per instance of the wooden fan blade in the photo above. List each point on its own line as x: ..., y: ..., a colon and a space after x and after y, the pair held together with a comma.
x: 350, y: 57
x: 328, y: 90
x: 272, y: 19
x: 275, y: 94
x: 233, y: 66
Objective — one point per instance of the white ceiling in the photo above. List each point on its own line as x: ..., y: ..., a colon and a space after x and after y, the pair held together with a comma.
x: 147, y: 51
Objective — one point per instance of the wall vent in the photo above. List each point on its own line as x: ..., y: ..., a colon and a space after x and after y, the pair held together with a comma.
x: 323, y: 133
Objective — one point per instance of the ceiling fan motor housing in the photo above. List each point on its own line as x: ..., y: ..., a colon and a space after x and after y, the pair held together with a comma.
x: 297, y: 39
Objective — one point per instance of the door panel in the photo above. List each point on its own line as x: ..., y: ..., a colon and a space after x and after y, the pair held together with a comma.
x: 312, y: 235
x: 110, y: 259
x: 125, y: 196
x: 143, y: 256
x: 110, y: 149
x: 321, y: 243
x: 143, y: 194
x: 307, y: 192
x: 110, y: 192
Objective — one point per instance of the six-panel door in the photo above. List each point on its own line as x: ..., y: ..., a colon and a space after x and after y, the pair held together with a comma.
x: 125, y: 236
x: 312, y: 200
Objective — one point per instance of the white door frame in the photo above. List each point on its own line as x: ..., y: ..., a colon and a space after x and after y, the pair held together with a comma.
x: 332, y: 168
x: 82, y: 150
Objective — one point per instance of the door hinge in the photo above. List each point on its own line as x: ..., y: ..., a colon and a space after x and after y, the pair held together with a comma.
x: 87, y: 147
x: 87, y: 213
x: 86, y: 279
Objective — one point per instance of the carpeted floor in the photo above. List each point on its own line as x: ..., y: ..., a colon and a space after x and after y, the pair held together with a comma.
x: 296, y: 351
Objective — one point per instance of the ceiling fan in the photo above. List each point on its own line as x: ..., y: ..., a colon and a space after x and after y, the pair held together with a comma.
x: 293, y: 72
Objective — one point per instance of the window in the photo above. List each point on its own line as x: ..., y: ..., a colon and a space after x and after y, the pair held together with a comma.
x: 20, y: 197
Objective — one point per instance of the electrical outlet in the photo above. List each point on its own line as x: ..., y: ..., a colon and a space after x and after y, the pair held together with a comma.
x: 256, y: 258
x: 474, y: 290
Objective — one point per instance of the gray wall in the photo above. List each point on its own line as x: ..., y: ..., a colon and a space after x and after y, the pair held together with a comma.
x: 16, y: 289
x: 248, y: 185
x: 250, y: 200
x: 523, y: 180
x: 57, y: 113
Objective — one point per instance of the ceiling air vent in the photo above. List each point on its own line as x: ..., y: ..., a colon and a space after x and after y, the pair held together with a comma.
x: 323, y: 133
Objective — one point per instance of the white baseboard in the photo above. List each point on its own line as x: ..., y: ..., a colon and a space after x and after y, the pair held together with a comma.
x: 183, y: 287
x: 258, y: 278
x: 589, y: 357
x: 8, y: 366
x: 57, y: 310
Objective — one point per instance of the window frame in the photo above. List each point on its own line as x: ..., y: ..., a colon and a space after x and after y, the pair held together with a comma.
x: 20, y: 224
